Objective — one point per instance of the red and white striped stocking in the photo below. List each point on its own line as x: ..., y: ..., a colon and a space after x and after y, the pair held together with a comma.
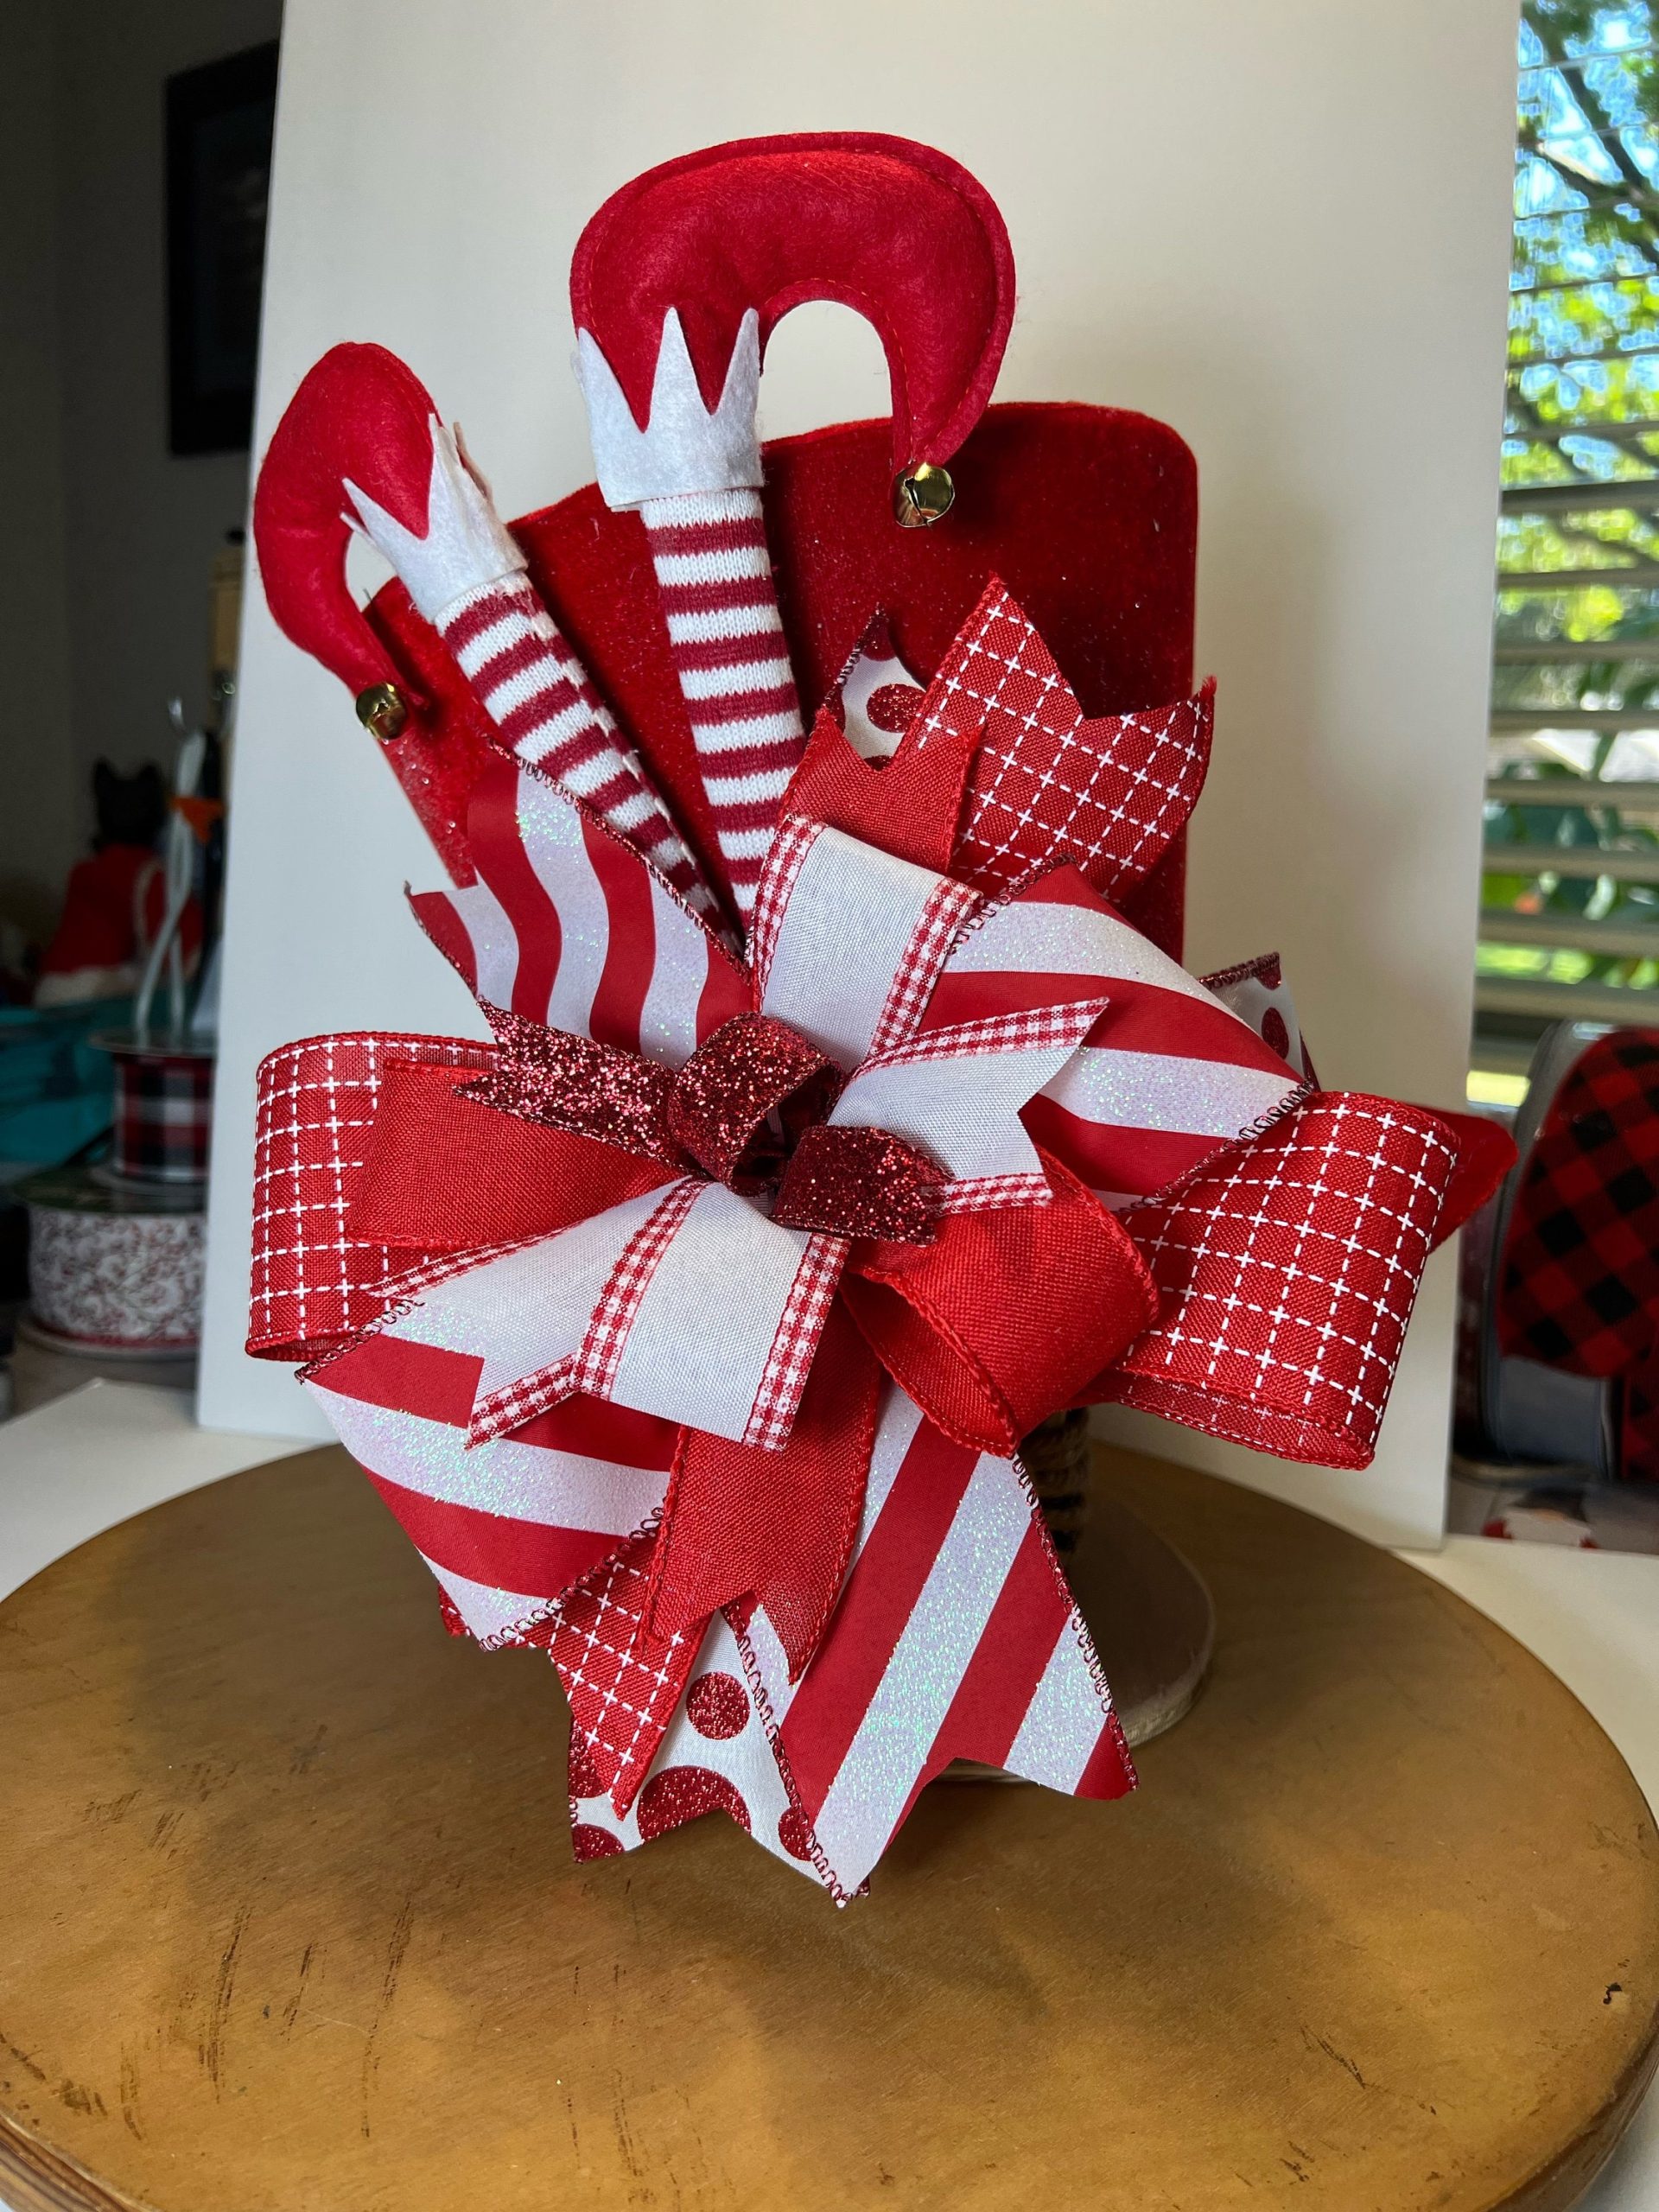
x: 465, y: 572
x: 547, y: 713
x: 675, y: 285
x: 720, y: 606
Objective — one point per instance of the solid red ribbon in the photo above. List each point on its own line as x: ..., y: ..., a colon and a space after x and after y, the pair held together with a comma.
x: 442, y: 1175
x: 1007, y: 1315
x: 907, y: 806
x: 778, y: 1526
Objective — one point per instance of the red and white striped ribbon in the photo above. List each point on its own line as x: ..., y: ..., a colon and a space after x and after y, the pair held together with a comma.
x: 506, y: 1526
x: 726, y: 637
x: 1167, y: 1074
x: 567, y: 926
x: 955, y: 1638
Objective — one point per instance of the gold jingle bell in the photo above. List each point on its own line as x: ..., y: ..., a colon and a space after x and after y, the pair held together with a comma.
x: 921, y: 495
x: 382, y: 709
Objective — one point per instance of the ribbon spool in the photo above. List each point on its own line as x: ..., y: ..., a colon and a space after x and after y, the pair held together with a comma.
x: 116, y: 1251
x: 164, y: 1110
x: 113, y: 1270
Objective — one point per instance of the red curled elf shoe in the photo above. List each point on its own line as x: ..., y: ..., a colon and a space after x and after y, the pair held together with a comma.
x: 848, y: 1111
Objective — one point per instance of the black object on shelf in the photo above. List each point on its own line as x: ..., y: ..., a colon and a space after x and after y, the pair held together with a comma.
x: 219, y: 119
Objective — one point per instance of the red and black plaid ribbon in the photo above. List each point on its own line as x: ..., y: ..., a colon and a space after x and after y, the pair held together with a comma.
x: 163, y: 1117
x: 1578, y: 1286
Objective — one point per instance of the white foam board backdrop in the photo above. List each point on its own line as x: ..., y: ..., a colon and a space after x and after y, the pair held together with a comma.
x: 1281, y: 227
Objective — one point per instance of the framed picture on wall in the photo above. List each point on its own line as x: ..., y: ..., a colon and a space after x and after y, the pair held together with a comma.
x: 218, y: 130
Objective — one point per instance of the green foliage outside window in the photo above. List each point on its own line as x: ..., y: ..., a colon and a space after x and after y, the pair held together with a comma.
x: 1583, y: 409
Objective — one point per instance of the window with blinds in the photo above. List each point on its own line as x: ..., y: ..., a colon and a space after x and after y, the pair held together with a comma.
x: 1569, y: 925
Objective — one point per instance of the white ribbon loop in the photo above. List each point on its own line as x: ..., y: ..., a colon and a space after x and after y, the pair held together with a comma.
x: 849, y: 941
x: 958, y: 1092
x: 687, y: 1302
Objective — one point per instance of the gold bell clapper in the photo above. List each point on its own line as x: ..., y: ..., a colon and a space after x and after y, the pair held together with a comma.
x: 922, y: 495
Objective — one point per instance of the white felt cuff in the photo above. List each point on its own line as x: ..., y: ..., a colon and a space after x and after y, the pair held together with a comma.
x: 465, y: 544
x: 683, y: 448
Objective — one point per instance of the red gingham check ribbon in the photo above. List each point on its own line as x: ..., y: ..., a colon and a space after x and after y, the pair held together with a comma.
x: 949, y: 909
x: 793, y: 840
x: 1031, y: 1030
x: 619, y: 1304
x: 796, y: 1343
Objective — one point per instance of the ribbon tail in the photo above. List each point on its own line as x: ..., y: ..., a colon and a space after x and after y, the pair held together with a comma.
x: 738, y: 1520
x: 956, y: 1636
x: 776, y: 1525
x: 623, y: 1683
x: 907, y: 806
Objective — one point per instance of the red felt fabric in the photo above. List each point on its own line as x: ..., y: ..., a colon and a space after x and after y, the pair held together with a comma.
x: 1088, y: 514
x: 895, y: 229
x: 358, y: 413
x: 361, y: 414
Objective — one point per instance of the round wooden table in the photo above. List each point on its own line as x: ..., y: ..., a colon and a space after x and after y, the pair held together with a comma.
x: 289, y: 1921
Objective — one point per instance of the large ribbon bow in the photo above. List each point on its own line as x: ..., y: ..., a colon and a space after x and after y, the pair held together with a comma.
x: 689, y: 1330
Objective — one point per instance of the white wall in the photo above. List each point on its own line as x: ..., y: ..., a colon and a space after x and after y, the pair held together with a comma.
x: 1281, y: 225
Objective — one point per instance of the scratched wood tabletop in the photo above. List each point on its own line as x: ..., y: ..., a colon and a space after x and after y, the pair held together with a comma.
x: 289, y: 1921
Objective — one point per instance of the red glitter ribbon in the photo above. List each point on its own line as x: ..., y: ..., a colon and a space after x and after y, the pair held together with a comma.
x: 744, y: 1093
x: 746, y: 1108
